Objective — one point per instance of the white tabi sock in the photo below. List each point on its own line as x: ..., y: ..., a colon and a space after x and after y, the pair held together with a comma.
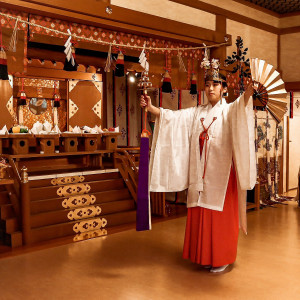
x: 218, y: 269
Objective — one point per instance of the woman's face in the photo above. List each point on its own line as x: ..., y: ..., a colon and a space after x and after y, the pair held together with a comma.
x: 213, y: 91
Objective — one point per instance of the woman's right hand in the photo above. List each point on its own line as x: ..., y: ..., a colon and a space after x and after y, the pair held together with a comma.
x: 145, y: 101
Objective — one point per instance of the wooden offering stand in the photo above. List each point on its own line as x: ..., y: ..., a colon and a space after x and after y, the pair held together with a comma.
x: 20, y: 142
x: 3, y: 137
x: 46, y: 143
x: 88, y: 142
x: 68, y: 142
x: 110, y: 140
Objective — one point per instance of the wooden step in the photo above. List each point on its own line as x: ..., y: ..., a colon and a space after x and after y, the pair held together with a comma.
x: 46, y: 168
x: 12, y: 240
x: 4, y: 197
x: 87, y: 178
x: 96, y: 186
x: 61, y: 216
x: 11, y: 225
x: 39, y: 206
x: 7, y: 211
x: 66, y: 229
x: 16, y: 239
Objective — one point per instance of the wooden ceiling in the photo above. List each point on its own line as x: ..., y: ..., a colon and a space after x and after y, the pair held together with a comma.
x: 278, y: 6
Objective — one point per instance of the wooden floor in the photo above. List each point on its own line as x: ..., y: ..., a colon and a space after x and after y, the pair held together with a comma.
x: 148, y: 265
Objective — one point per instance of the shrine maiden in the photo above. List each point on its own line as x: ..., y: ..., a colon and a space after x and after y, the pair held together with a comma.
x: 208, y: 150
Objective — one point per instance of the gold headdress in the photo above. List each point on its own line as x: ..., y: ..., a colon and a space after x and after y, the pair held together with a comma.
x: 212, y: 70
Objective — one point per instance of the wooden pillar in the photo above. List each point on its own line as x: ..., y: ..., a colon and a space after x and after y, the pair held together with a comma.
x: 257, y: 196
x: 220, y: 52
x: 25, y: 204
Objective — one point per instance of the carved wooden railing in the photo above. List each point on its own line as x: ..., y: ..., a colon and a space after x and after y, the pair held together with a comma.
x: 20, y: 199
x: 127, y: 163
x: 128, y: 169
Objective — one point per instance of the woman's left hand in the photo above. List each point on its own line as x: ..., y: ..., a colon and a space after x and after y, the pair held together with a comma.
x: 249, y: 92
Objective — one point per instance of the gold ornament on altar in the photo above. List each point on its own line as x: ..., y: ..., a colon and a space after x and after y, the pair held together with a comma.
x: 90, y: 235
x: 67, y: 180
x: 84, y: 213
x: 270, y: 92
x: 89, y: 225
x: 75, y: 189
x: 77, y: 201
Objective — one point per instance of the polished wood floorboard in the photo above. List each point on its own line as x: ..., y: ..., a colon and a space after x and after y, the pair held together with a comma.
x: 148, y: 265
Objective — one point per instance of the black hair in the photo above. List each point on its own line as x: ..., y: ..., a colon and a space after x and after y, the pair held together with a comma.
x: 222, y: 81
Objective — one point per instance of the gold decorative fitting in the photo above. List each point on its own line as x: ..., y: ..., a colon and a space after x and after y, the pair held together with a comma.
x: 73, y: 108
x: 89, y: 225
x: 24, y: 175
x: 37, y: 83
x: 84, y: 213
x: 75, y: 189
x: 89, y: 235
x: 77, y: 201
x: 10, y: 106
x: 97, y: 109
x: 67, y: 180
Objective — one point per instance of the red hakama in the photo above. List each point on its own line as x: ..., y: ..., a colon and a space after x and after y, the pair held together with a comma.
x: 211, y: 236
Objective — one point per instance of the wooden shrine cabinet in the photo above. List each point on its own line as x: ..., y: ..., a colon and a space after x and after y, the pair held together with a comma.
x: 19, y: 142
x: 109, y: 140
x: 46, y: 143
x: 3, y: 139
x: 68, y: 142
x: 88, y: 142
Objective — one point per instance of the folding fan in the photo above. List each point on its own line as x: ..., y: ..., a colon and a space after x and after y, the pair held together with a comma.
x: 270, y: 93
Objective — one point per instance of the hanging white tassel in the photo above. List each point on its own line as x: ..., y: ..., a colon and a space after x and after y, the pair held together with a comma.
x: 182, y: 67
x: 108, y: 60
x: 143, y: 59
x: 205, y: 62
x: 14, y: 37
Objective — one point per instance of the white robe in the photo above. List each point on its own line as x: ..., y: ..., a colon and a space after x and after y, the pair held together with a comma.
x: 175, y: 163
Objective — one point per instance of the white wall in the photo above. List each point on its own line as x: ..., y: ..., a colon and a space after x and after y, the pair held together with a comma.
x: 261, y: 44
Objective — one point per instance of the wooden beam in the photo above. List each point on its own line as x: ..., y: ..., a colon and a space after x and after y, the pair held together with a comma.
x: 292, y: 86
x: 228, y: 14
x: 220, y: 52
x: 291, y: 14
x: 121, y: 19
x: 61, y: 74
x: 289, y: 30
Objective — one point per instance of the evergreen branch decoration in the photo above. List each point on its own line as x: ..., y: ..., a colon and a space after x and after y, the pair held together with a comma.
x: 240, y: 62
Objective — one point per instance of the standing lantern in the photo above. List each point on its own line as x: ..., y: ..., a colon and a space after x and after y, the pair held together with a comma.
x: 143, y: 216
